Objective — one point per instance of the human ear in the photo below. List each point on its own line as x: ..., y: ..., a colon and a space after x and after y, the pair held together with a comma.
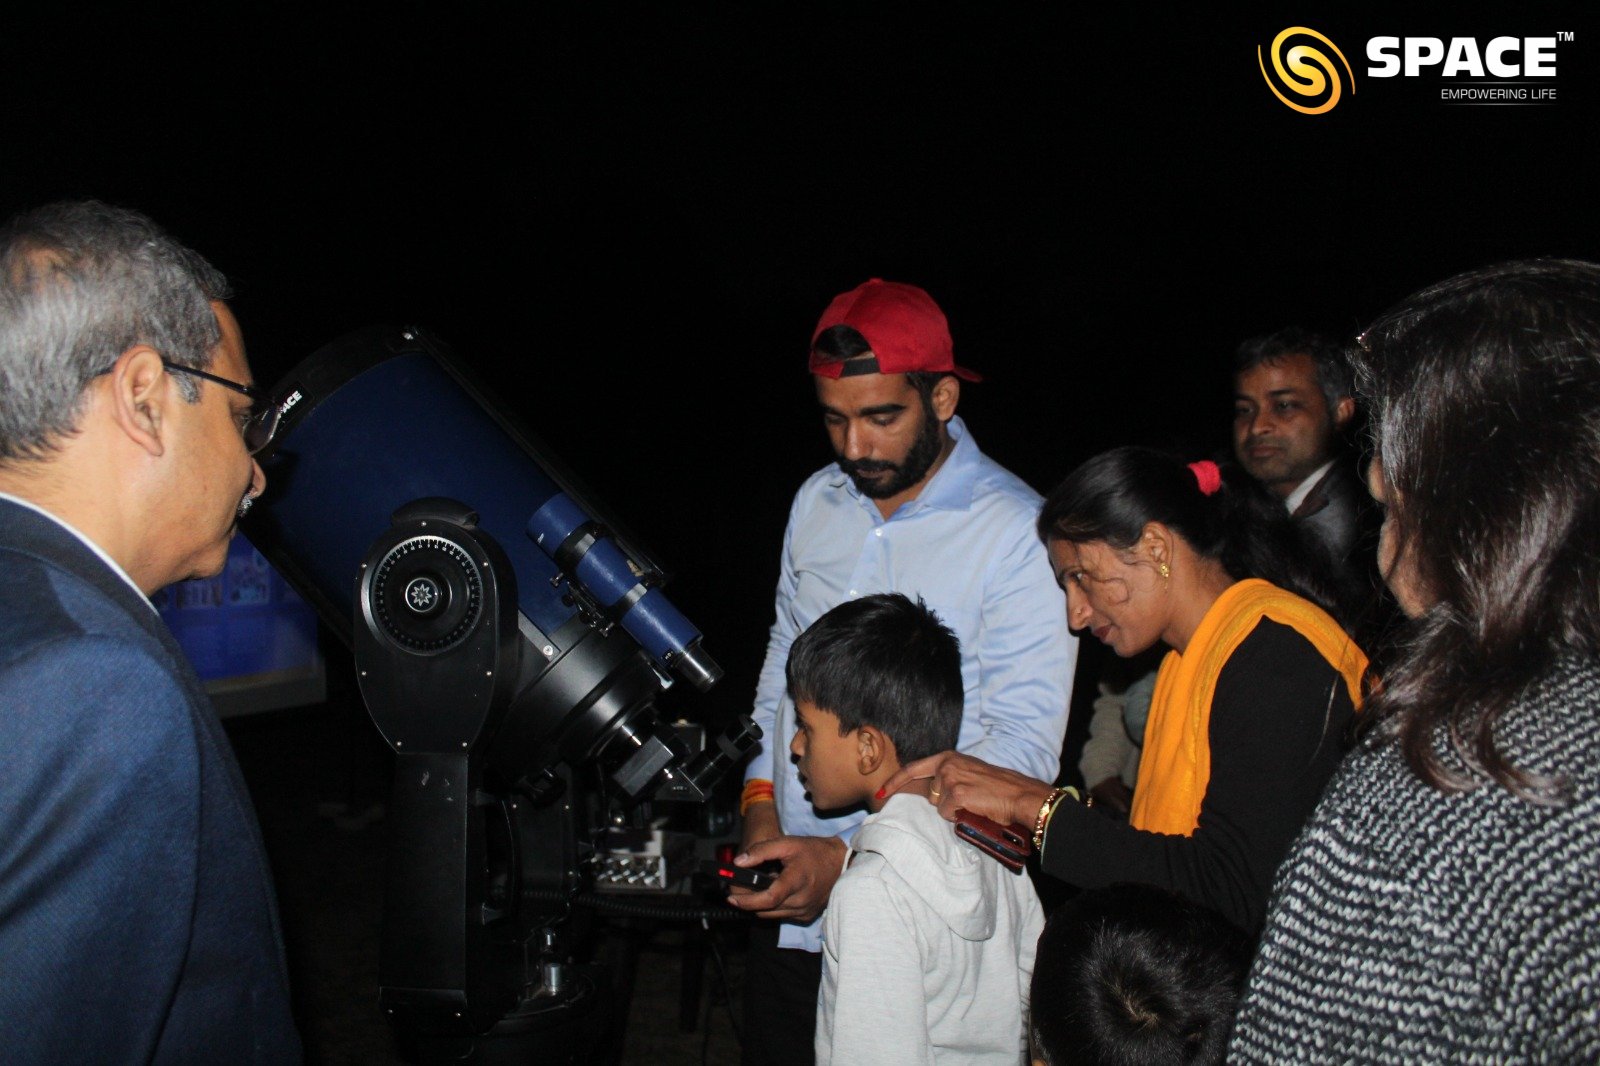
x: 1344, y: 411
x: 140, y: 389
x: 1156, y: 543
x: 946, y: 394
x: 872, y: 747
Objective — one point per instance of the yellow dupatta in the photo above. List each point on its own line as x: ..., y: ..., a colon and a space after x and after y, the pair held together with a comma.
x: 1175, y: 766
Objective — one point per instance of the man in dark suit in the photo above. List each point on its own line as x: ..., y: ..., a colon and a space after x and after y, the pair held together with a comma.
x: 1292, y: 405
x: 137, y: 913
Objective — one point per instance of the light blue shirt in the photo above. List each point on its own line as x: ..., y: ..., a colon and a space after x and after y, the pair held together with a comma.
x: 967, y: 546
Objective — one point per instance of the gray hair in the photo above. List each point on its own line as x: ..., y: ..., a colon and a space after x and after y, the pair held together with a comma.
x: 80, y: 283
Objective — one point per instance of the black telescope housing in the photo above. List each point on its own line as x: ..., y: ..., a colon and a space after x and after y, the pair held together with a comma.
x: 510, y: 646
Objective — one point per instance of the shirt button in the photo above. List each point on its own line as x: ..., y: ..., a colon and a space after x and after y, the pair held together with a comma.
x: 852, y: 592
x: 877, y: 532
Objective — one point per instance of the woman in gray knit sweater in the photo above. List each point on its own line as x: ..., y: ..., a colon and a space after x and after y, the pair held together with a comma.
x: 1443, y: 903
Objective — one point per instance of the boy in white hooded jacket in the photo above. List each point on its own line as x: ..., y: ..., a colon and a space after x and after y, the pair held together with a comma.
x: 928, y: 943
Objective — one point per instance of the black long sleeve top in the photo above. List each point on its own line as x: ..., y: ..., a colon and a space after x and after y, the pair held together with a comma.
x: 1279, y: 717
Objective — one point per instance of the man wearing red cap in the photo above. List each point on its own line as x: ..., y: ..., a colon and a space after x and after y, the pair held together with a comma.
x: 911, y: 506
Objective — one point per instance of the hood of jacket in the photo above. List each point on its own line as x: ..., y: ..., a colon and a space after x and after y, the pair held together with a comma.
x: 958, y: 882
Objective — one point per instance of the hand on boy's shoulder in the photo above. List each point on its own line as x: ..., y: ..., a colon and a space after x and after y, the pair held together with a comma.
x: 811, y: 865
x: 954, y: 781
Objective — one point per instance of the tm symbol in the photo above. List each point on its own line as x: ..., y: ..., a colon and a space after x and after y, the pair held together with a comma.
x: 1564, y: 35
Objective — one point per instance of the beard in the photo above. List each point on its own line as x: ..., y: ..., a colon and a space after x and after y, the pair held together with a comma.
x: 904, y: 474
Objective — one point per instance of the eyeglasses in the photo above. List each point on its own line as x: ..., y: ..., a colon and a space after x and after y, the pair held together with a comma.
x: 259, y: 428
x: 262, y: 424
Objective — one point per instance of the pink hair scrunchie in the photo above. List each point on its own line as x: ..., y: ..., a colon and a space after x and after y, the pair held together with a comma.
x: 1208, y: 474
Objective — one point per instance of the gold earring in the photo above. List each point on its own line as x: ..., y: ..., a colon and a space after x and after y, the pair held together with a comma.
x: 1164, y: 570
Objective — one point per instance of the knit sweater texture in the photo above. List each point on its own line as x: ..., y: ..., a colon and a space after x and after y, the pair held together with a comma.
x: 1410, y: 925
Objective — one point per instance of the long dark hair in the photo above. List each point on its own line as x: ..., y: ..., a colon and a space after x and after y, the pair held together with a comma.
x: 1113, y: 496
x: 1484, y: 398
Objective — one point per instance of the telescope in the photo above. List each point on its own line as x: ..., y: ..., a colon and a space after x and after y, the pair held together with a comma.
x: 510, y: 643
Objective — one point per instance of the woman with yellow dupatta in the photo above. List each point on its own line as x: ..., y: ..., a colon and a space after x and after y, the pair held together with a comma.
x: 1251, y: 705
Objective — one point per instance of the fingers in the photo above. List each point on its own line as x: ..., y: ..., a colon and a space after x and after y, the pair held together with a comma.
x: 782, y: 899
x: 964, y: 782
x: 761, y: 851
x: 748, y: 899
x: 946, y: 798
x: 797, y: 901
x: 810, y: 867
x: 799, y: 915
x: 766, y: 899
x: 915, y: 771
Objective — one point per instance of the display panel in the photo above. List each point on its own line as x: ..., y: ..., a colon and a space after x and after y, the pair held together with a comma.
x: 250, y: 636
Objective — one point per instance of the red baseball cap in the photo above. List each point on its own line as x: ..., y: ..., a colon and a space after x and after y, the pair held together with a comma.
x: 901, y: 323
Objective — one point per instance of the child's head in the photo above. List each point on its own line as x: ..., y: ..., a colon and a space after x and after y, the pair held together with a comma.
x: 1132, y: 975
x: 876, y: 682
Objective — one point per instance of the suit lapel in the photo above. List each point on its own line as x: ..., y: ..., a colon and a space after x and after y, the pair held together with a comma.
x: 48, y: 541
x: 1317, y: 498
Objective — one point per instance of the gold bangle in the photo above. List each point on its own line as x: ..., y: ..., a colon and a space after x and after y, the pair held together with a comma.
x: 1046, y: 809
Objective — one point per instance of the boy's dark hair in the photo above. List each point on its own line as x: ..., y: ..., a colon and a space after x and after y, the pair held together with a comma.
x: 1133, y: 975
x: 886, y: 662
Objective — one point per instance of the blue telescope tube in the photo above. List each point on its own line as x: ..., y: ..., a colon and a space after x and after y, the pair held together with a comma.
x: 581, y: 548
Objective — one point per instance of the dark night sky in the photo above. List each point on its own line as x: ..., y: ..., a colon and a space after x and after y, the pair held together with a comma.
x: 628, y: 218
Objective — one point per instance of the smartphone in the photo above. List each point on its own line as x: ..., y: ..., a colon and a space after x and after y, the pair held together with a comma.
x: 1011, y: 844
x: 726, y: 873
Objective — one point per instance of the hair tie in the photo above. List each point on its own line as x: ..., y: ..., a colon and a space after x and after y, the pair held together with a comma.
x: 1208, y: 474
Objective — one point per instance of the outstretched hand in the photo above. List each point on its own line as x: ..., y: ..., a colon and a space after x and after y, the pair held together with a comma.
x: 961, y: 782
x: 811, y: 865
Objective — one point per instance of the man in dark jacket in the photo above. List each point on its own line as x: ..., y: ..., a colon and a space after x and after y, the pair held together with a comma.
x: 1292, y: 406
x: 137, y: 914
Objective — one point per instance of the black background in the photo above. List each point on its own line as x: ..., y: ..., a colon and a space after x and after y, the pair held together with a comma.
x: 627, y: 218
